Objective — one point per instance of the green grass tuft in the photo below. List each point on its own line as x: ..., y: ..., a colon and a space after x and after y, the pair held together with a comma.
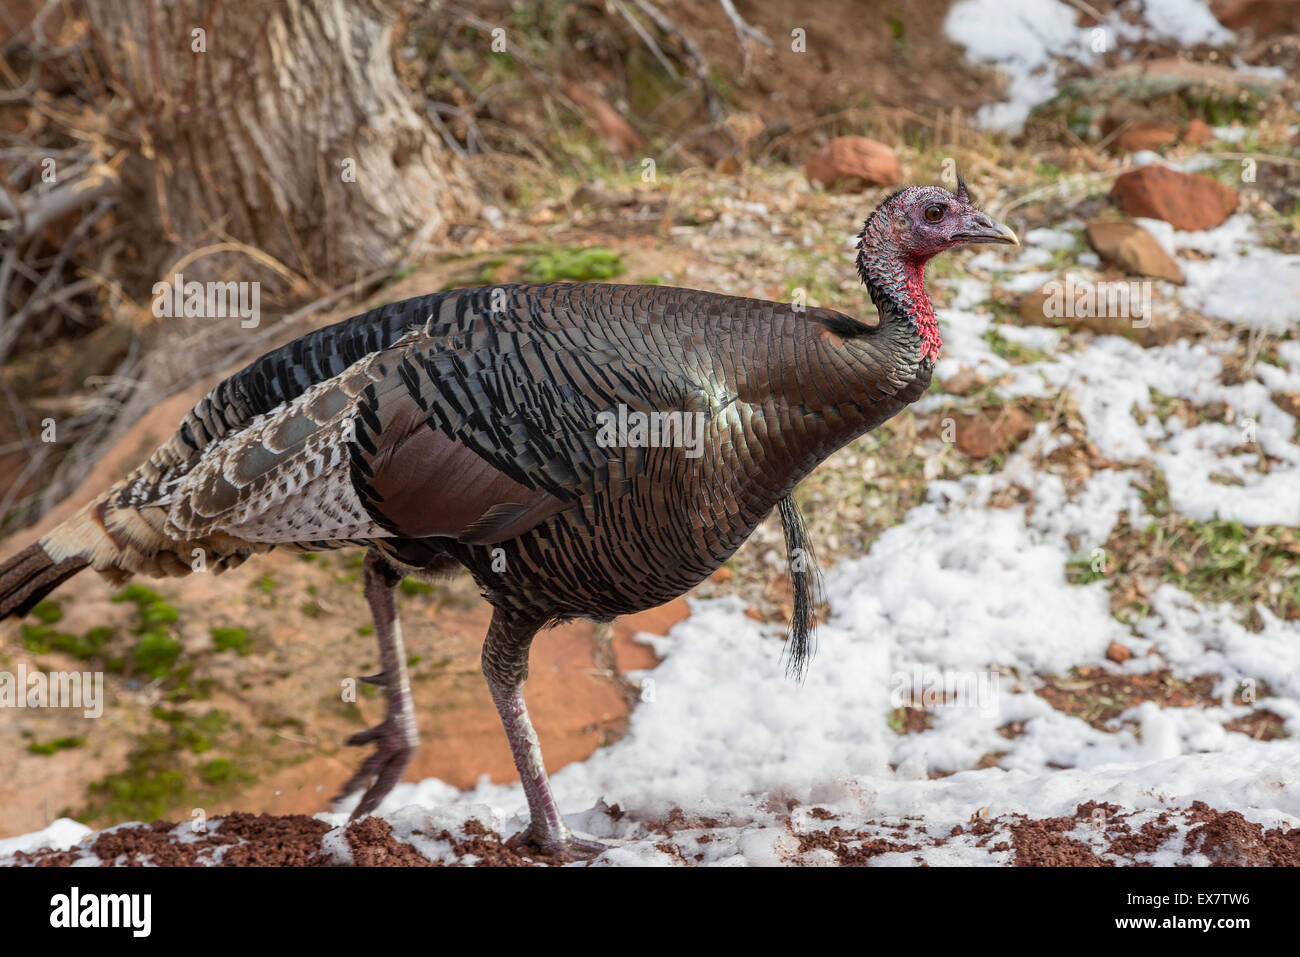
x: 592, y: 262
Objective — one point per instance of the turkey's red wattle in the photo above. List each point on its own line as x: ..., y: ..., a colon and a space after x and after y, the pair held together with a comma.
x: 923, y: 312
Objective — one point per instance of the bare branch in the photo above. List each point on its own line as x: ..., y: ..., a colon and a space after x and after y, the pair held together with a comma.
x: 693, y: 51
x: 647, y: 39
x: 47, y: 207
x: 743, y: 30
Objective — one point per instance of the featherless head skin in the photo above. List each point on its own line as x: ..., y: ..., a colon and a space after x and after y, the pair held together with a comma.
x: 908, y: 229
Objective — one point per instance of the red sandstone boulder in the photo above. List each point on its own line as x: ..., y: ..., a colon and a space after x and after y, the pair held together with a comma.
x: 1187, y: 200
x: 855, y: 161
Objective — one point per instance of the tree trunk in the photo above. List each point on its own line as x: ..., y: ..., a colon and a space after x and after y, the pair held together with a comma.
x: 280, y: 125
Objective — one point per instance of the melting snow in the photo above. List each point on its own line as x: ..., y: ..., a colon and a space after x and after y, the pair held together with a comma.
x: 1217, y: 287
x: 1025, y: 38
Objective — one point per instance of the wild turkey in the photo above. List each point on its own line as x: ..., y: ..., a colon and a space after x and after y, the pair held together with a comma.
x: 469, y: 428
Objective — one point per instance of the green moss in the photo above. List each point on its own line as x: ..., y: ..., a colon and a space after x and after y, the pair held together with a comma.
x: 159, y: 776
x: 156, y: 650
x: 151, y: 616
x: 139, y: 594
x: 195, y: 734
x: 58, y: 744
x: 142, y: 792
x: 221, y: 772
x: 579, y: 263
x: 231, y: 639
x: 156, y: 653
x: 42, y: 639
x: 47, y: 611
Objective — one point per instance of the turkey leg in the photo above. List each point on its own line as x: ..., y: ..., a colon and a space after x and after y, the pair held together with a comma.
x: 396, y: 736
x: 505, y: 665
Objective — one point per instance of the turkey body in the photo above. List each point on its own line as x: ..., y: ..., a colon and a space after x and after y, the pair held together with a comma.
x: 479, y: 427
x: 583, y: 449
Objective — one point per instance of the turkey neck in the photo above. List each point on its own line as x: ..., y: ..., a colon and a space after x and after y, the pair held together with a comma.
x: 895, y: 280
x: 835, y: 378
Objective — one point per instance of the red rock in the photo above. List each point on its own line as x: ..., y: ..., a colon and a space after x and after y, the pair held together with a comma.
x: 975, y: 438
x: 1264, y: 17
x: 1198, y: 133
x: 1188, y: 201
x: 856, y: 160
x: 1133, y: 249
x: 1118, y: 653
x: 993, y: 430
x: 1145, y: 136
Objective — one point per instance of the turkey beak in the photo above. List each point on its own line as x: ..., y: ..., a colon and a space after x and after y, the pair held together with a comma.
x: 985, y: 229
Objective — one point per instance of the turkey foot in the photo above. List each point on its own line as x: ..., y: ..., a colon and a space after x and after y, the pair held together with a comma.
x: 392, y: 755
x: 567, y: 847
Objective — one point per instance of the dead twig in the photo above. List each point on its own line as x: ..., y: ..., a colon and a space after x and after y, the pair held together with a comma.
x: 693, y: 52
x: 34, y: 215
x: 744, y: 32
x: 13, y: 326
x: 639, y: 29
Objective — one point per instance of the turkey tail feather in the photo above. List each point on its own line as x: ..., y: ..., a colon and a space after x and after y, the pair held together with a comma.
x: 806, y: 577
x: 31, y: 575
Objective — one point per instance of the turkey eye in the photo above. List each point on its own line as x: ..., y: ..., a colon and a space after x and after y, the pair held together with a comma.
x: 933, y: 214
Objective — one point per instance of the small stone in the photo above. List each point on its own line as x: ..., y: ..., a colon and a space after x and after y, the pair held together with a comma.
x: 993, y: 430
x: 1133, y: 249
x: 855, y: 160
x: 1118, y: 653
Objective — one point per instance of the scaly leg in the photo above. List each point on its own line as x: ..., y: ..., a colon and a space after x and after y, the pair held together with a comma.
x: 505, y: 665
x: 396, y: 736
